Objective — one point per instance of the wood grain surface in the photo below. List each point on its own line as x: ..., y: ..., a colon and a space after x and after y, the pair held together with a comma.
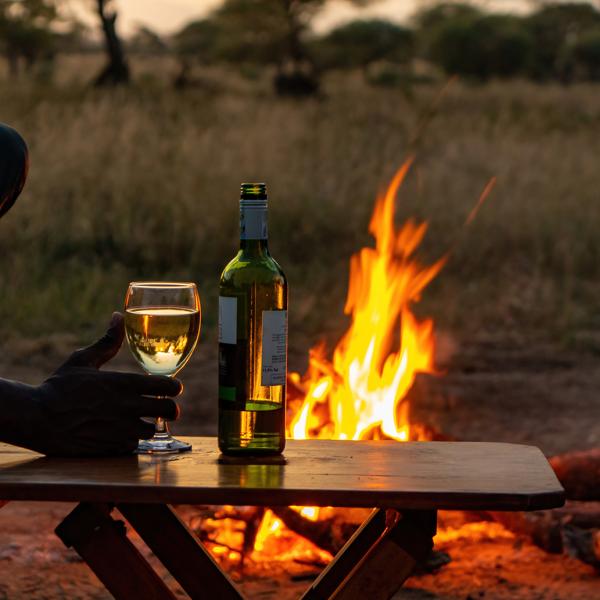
x: 411, y: 475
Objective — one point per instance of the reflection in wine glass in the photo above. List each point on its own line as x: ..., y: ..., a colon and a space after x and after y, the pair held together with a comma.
x: 162, y: 322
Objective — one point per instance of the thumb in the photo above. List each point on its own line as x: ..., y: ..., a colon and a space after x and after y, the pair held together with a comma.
x: 102, y: 350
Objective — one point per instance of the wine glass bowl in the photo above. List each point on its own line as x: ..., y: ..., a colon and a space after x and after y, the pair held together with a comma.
x: 162, y: 324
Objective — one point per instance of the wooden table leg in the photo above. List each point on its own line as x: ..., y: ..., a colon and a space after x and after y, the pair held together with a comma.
x: 373, y: 564
x: 378, y: 558
x: 180, y: 551
x: 102, y: 543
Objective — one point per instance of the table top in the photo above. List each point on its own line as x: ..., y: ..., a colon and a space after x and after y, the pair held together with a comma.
x: 386, y: 474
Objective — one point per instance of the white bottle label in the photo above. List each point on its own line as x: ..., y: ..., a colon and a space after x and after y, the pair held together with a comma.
x: 274, y: 347
x: 227, y: 320
x: 253, y: 223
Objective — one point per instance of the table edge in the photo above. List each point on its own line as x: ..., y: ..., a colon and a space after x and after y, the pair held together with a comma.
x: 285, y: 497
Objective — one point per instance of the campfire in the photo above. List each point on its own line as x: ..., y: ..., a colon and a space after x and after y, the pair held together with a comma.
x: 361, y: 392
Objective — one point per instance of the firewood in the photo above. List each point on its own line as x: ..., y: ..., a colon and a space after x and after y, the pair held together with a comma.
x: 573, y: 529
x: 540, y: 527
x: 252, y: 526
x: 583, y: 544
x: 579, y: 473
x: 206, y: 539
x: 585, y: 515
x: 328, y: 534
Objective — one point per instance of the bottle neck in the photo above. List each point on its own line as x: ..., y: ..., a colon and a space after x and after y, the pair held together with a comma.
x: 254, y: 247
x: 253, y: 227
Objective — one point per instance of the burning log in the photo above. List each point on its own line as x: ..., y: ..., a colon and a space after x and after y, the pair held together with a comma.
x: 573, y: 529
x: 579, y: 473
x: 231, y: 529
x: 328, y: 534
x: 583, y: 544
x: 252, y: 526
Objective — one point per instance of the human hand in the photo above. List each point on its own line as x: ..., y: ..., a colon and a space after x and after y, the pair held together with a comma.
x: 81, y: 411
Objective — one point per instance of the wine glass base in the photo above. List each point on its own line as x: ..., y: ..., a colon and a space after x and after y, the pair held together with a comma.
x: 162, y: 445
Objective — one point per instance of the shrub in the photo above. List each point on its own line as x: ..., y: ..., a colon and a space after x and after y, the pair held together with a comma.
x: 481, y: 47
x: 358, y: 44
x: 555, y: 29
x: 586, y: 54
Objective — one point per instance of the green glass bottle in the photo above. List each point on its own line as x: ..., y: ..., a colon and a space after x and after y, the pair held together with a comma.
x: 252, y: 338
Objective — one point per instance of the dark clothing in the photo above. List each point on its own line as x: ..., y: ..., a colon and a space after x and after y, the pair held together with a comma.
x: 14, y: 164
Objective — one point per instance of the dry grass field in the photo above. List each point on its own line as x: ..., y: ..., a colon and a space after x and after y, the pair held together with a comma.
x: 143, y: 183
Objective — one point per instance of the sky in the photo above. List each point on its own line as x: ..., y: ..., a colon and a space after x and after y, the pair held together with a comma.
x: 167, y: 16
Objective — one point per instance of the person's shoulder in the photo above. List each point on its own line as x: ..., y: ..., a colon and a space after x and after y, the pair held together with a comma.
x: 14, y: 165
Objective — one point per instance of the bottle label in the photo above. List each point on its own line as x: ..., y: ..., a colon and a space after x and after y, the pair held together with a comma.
x: 232, y: 356
x: 227, y: 320
x: 253, y: 222
x: 232, y: 373
x: 274, y: 347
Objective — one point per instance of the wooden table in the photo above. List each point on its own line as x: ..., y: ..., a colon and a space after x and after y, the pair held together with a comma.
x: 406, y: 483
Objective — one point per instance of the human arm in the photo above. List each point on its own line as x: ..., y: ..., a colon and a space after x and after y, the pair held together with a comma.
x: 82, y: 411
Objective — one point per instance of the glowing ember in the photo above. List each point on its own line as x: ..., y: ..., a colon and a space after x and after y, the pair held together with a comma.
x: 274, y: 541
x: 477, y: 531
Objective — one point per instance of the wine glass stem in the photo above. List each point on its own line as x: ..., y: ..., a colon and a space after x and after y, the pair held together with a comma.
x: 162, y: 429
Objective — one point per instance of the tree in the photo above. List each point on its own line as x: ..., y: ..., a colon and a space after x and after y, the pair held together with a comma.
x: 273, y: 32
x: 146, y: 41
x: 586, y: 55
x: 199, y: 40
x: 440, y: 13
x: 359, y: 44
x: 25, y: 32
x: 480, y: 46
x: 555, y: 29
x: 116, y: 71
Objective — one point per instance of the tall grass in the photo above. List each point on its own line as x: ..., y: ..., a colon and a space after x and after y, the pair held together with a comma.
x: 143, y: 183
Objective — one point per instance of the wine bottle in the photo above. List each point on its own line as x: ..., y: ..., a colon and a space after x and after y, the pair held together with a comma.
x: 252, y: 338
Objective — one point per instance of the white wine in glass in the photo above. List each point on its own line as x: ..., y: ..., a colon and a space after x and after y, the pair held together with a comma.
x: 162, y: 322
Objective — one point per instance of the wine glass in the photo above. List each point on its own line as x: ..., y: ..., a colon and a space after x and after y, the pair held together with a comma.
x: 162, y: 323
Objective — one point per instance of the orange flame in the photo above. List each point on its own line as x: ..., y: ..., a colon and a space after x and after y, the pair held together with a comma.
x: 274, y: 541
x: 375, y: 362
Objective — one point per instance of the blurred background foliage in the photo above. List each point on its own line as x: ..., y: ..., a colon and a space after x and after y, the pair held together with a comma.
x: 555, y: 41
x: 138, y: 146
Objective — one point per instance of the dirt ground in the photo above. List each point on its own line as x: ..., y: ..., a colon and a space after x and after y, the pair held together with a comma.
x: 489, y: 390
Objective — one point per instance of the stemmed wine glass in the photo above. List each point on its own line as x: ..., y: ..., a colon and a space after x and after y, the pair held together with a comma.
x: 162, y: 322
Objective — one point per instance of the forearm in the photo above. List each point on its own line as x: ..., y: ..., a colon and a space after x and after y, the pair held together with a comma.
x: 81, y: 411
x: 20, y: 413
